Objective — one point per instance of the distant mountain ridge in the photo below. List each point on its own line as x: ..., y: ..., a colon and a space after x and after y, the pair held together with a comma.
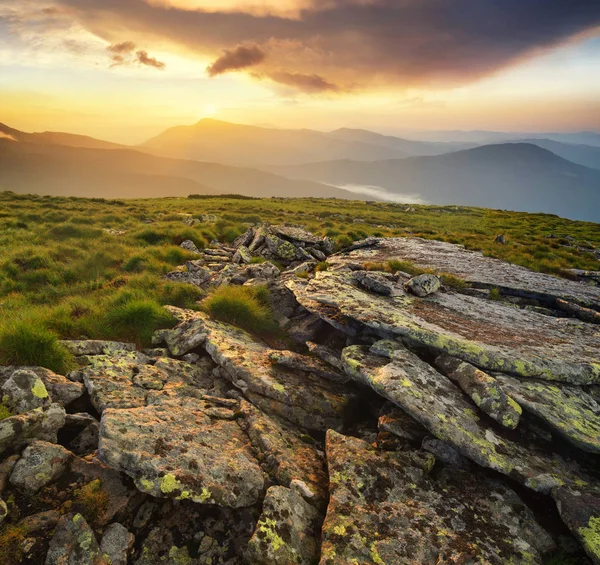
x: 516, y: 176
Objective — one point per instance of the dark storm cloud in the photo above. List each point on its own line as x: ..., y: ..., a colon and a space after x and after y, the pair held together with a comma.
x: 304, y: 83
x: 401, y: 42
x: 144, y: 59
x: 241, y: 57
x: 121, y: 48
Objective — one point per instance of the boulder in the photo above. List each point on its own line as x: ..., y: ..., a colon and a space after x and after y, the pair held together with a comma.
x: 74, y: 543
x: 40, y: 464
x: 287, y: 454
x: 287, y: 531
x: 483, y: 389
x: 440, y: 406
x: 242, y: 255
x: 485, y: 333
x: 190, y: 246
x: 24, y: 391
x: 22, y: 429
x: 190, y: 449
x: 569, y: 410
x: 379, y: 283
x: 385, y: 508
x: 423, y: 285
x: 117, y: 543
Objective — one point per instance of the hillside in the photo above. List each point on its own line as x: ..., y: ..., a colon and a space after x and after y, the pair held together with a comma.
x: 223, y: 142
x: 515, y: 176
x: 125, y: 173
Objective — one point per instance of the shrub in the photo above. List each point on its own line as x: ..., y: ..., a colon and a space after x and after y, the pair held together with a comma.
x: 4, y: 412
x: 11, y: 545
x: 25, y: 343
x: 136, y: 319
x: 453, y: 281
x: 243, y: 306
x: 322, y: 266
x: 494, y: 293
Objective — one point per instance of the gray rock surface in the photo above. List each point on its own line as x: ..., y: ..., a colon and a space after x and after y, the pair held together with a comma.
x: 117, y: 543
x: 384, y: 508
x: 287, y: 531
x: 40, y: 464
x: 423, y: 285
x: 24, y: 391
x: 74, y: 543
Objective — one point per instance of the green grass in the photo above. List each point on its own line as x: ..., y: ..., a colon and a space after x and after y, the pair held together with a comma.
x: 5, y: 412
x: 244, y: 306
x: 24, y: 343
x: 60, y: 270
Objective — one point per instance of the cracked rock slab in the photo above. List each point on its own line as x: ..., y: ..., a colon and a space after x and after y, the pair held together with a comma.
x: 186, y: 450
x: 440, y: 406
x: 385, y: 509
x: 485, y: 333
x: 569, y: 410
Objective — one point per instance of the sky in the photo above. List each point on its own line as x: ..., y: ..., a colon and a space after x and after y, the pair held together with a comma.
x: 124, y: 70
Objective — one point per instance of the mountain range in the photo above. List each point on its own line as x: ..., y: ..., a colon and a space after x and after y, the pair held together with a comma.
x: 530, y: 174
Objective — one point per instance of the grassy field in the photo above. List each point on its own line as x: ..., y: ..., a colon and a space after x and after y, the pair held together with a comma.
x: 74, y: 268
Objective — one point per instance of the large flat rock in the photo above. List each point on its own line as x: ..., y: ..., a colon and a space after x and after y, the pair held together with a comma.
x: 488, y: 334
x: 384, y: 508
x: 184, y: 449
x: 471, y: 266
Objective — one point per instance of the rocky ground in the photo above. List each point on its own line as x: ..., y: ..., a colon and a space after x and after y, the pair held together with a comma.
x: 402, y: 423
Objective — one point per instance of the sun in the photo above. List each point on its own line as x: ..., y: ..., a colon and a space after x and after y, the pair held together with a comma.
x: 209, y: 111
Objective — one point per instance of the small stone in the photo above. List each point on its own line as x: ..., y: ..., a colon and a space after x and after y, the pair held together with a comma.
x: 117, y: 543
x: 190, y: 246
x: 25, y: 391
x: 74, y: 543
x: 40, y: 464
x: 423, y: 285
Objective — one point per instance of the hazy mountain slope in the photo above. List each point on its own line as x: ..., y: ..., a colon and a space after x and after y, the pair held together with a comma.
x: 213, y: 140
x: 58, y: 138
x: 56, y: 169
x: 516, y: 176
x: 586, y: 155
x: 408, y: 146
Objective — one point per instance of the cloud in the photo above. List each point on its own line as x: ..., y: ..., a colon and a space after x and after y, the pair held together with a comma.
x: 365, y: 44
x: 241, y: 57
x: 143, y: 58
x: 121, y: 48
x: 305, y: 83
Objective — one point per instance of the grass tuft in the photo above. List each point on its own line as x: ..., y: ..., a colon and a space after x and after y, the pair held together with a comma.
x: 244, y: 306
x: 91, y: 500
x: 11, y: 545
x: 25, y: 343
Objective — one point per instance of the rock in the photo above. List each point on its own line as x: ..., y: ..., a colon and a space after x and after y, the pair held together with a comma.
x: 24, y: 391
x: 318, y: 254
x: 384, y: 508
x: 376, y: 282
x: 242, y: 255
x: 327, y: 354
x: 40, y: 464
x: 471, y: 266
x: 3, y: 511
x: 190, y: 246
x: 307, y: 364
x: 191, y: 449
x: 61, y: 389
x: 197, y: 276
x: 286, y: 454
x: 284, y: 250
x: 585, y: 314
x: 86, y: 441
x: 435, y: 402
x: 6, y: 468
x: 296, y: 234
x: 445, y: 453
x: 264, y: 270
x: 96, y: 347
x: 74, y: 543
x: 303, y: 269
x: 287, y: 531
x: 500, y: 239
x: 300, y: 398
x: 37, y: 424
x: 185, y: 337
x: 117, y: 544
x: 395, y: 421
x: 305, y: 327
x: 40, y: 522
x: 243, y: 240
x: 580, y: 511
x: 423, y: 285
x: 485, y: 333
x: 484, y: 390
x: 569, y: 410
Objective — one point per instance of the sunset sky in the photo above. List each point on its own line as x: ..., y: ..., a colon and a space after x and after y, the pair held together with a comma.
x: 124, y: 70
